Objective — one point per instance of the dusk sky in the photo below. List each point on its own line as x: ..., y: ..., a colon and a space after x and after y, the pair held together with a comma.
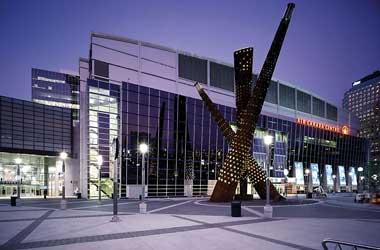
x: 329, y: 44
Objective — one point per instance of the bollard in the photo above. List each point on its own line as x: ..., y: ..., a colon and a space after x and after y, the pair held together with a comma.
x: 236, y: 208
x: 142, y: 207
x: 13, y: 200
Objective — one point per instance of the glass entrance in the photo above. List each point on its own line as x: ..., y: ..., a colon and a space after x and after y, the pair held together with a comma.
x: 31, y: 175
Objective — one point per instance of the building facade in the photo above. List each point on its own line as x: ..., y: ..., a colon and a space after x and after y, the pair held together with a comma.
x: 56, y: 89
x: 363, y: 100
x: 141, y: 92
x: 36, y: 134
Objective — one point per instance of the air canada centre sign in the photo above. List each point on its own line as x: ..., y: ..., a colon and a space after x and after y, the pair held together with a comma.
x: 343, y: 130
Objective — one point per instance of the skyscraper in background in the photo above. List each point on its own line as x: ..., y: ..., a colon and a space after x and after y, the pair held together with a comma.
x: 363, y: 99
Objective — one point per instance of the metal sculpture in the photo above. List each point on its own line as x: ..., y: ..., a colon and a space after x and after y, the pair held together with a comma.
x: 239, y: 163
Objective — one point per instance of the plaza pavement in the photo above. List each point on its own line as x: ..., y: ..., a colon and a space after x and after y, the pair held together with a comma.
x: 184, y: 224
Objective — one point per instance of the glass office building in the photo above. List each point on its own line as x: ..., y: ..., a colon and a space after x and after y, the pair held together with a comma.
x: 35, y: 134
x: 141, y: 92
x: 363, y: 100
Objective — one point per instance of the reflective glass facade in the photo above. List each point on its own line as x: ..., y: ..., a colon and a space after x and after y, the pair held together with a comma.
x: 186, y: 144
x: 159, y: 105
x: 27, y: 127
x: 36, y: 134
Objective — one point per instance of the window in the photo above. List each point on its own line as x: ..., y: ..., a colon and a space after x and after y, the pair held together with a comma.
x: 101, y: 69
x: 192, y: 68
x: 287, y: 96
x: 318, y: 107
x: 221, y: 76
x: 272, y: 93
x: 331, y: 112
x: 303, y: 102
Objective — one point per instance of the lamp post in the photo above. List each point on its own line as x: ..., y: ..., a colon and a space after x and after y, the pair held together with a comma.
x: 268, y: 210
x: 99, y: 159
x: 307, y: 173
x: 63, y: 156
x: 350, y: 175
x: 115, y: 156
x: 286, y: 173
x: 361, y: 178
x: 334, y: 178
x: 18, y: 177
x: 143, y: 150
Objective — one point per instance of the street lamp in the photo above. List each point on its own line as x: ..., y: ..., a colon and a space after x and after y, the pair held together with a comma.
x: 307, y: 173
x: 18, y: 161
x: 99, y: 159
x: 268, y: 210
x: 334, y: 178
x: 350, y: 174
x: 63, y: 156
x: 360, y: 170
x: 286, y: 173
x: 143, y: 150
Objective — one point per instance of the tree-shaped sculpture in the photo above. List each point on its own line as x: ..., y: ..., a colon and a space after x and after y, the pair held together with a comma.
x: 239, y: 163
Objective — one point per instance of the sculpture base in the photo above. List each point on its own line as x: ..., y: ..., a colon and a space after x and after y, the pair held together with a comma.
x: 244, y: 197
x: 224, y: 192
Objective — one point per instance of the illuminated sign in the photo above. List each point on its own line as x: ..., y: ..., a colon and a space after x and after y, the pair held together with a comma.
x: 41, y: 78
x: 299, y: 173
x: 342, y: 176
x: 344, y: 130
x: 329, y: 179
x: 352, y: 174
x: 315, y: 174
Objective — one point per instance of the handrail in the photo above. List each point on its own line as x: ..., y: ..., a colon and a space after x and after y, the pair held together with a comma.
x: 338, y: 243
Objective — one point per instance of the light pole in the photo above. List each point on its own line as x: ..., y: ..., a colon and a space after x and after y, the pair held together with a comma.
x: 63, y: 156
x: 143, y: 150
x: 18, y: 177
x: 361, y: 177
x: 286, y: 173
x: 334, y: 178
x: 307, y: 173
x: 268, y: 210
x: 115, y: 157
x: 350, y: 174
x: 100, y: 162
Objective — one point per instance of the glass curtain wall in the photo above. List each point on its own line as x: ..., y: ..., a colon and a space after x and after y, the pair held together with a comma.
x: 103, y: 99
x: 186, y: 144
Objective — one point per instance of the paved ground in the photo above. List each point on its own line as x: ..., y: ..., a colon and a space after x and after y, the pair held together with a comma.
x: 185, y: 224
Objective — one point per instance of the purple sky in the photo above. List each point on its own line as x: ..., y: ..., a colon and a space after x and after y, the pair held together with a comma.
x: 329, y: 44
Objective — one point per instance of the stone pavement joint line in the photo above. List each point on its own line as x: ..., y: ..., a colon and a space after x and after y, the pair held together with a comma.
x: 170, y: 206
x: 67, y: 217
x: 271, y: 240
x: 25, y: 232
x: 275, y: 241
x: 24, y: 210
x: 115, y: 236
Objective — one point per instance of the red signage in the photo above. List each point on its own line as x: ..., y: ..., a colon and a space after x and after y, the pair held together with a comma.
x: 344, y: 130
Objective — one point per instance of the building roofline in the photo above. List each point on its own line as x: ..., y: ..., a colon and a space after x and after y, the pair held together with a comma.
x: 135, y: 41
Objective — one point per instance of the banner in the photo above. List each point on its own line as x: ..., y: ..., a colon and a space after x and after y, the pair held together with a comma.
x: 329, y: 179
x: 315, y: 174
x: 299, y: 173
x: 354, y: 181
x: 342, y: 176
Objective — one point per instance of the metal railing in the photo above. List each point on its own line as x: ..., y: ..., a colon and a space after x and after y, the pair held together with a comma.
x: 330, y: 244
